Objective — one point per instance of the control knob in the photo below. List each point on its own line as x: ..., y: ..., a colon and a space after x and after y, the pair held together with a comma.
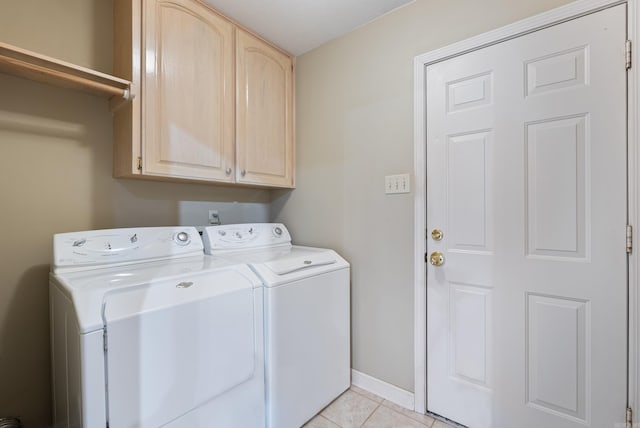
x: 182, y: 238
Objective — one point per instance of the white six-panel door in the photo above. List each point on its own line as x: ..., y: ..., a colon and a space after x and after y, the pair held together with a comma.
x: 526, y: 178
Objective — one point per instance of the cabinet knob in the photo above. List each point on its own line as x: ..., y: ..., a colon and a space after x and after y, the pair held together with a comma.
x: 243, y: 172
x: 228, y: 171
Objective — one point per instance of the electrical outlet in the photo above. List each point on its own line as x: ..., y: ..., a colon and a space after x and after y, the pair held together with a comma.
x: 400, y: 183
x: 214, y: 217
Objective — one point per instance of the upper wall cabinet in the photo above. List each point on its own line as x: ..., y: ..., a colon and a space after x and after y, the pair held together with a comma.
x: 213, y: 103
x: 187, y: 92
x: 264, y: 113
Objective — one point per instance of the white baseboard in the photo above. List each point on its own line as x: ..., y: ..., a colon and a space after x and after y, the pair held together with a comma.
x: 383, y: 389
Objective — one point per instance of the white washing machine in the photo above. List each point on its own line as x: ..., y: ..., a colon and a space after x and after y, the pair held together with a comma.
x: 307, y: 317
x: 146, y: 331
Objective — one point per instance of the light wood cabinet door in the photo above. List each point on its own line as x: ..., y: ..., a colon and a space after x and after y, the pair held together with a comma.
x: 264, y: 113
x: 188, y: 92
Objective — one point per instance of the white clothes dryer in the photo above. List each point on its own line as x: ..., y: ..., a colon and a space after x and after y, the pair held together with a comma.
x: 307, y: 317
x: 146, y: 331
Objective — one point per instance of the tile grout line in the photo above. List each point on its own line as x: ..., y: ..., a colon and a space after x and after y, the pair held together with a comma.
x: 381, y: 403
x: 433, y: 420
x: 362, y: 395
x: 330, y: 420
x: 322, y: 417
x: 374, y: 410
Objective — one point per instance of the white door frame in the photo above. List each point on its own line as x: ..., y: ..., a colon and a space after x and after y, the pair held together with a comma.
x: 534, y: 23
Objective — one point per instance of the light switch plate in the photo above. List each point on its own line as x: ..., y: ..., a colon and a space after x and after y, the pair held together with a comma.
x: 399, y: 183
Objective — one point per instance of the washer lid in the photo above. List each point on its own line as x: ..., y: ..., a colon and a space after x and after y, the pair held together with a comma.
x: 289, y: 265
x: 279, y: 267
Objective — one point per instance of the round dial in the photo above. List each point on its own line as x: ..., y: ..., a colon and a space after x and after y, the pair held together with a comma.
x: 182, y: 238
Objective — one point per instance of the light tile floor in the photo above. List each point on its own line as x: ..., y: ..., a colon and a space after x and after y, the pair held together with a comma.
x: 359, y: 408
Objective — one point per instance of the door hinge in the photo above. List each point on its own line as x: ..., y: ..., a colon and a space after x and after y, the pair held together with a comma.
x: 629, y: 418
x: 139, y: 163
x: 629, y: 238
x: 104, y: 340
x: 628, y: 54
x: 426, y: 258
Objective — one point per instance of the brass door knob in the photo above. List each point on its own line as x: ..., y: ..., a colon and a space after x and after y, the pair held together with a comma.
x: 436, y: 258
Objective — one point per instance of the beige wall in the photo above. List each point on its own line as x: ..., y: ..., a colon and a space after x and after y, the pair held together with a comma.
x: 55, y: 176
x: 354, y: 126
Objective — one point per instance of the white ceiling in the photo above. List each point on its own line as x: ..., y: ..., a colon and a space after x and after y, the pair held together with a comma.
x: 299, y: 26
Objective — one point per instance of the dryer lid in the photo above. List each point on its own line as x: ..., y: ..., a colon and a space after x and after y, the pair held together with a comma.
x: 172, y: 292
x: 88, y: 289
x: 174, y: 346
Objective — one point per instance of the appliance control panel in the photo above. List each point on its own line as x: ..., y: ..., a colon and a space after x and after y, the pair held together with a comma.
x: 244, y: 236
x: 95, y: 248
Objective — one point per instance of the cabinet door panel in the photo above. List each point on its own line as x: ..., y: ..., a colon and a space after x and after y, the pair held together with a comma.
x: 264, y: 116
x: 188, y: 92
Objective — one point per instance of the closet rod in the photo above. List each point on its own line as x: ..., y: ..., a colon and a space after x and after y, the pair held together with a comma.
x: 29, y: 65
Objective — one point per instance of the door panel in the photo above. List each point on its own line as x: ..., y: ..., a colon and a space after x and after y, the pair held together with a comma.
x: 467, y: 169
x: 469, y: 302
x: 555, y: 187
x: 526, y: 176
x: 557, y: 358
x: 183, y: 137
x: 264, y: 115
